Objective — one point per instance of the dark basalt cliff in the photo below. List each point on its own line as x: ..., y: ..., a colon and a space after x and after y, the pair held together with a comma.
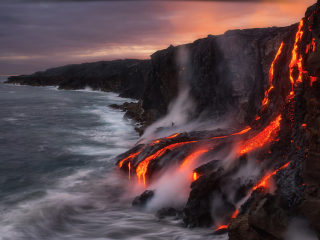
x: 127, y: 77
x: 225, y: 72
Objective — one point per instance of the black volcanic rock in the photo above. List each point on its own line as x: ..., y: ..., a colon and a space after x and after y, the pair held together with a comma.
x: 127, y: 77
x: 168, y: 212
x: 141, y: 201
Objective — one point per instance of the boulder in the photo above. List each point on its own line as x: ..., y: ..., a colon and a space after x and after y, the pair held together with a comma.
x: 266, y: 215
x: 142, y: 200
x: 169, y: 212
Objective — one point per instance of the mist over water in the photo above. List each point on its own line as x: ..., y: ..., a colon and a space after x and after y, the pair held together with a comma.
x: 57, y: 152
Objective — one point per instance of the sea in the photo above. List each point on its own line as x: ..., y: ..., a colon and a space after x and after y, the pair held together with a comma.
x: 58, y: 178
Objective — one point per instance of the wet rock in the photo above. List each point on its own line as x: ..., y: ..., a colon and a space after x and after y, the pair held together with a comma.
x: 169, y: 212
x: 266, y: 215
x: 205, y: 191
x: 140, y: 201
x: 239, y: 229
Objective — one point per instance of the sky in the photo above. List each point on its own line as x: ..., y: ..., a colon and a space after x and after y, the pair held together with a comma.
x: 39, y: 34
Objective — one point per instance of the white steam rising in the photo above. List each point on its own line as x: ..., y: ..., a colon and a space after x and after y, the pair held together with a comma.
x: 300, y: 230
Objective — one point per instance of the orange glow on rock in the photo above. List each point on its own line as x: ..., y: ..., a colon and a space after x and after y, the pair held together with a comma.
x: 267, y: 135
x: 172, y: 136
x: 131, y: 156
x: 191, y: 157
x: 221, y: 227
x: 143, y: 165
x: 312, y: 80
x: 235, y: 214
x: 195, y: 176
x: 271, y: 72
x: 296, y: 60
x: 263, y: 182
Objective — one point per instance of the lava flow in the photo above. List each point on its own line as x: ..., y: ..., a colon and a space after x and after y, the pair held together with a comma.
x: 131, y: 156
x: 271, y: 72
x: 143, y: 165
x: 242, y: 132
x: 226, y: 226
x: 191, y: 157
x: 195, y: 176
x: 263, y: 182
x: 296, y: 60
x: 267, y: 135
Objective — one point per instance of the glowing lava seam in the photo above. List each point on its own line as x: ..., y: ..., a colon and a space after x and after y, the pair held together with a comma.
x: 242, y: 132
x: 295, y: 61
x: 263, y: 182
x: 131, y: 156
x: 271, y: 72
x: 191, y: 157
x: 267, y: 135
x: 143, y: 165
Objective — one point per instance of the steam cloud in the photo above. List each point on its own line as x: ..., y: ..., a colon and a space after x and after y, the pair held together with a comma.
x: 299, y: 229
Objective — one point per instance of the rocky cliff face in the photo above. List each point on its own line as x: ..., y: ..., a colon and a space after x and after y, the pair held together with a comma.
x: 310, y: 206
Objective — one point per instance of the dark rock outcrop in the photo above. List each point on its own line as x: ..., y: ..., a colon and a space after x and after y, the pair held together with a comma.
x: 127, y: 77
x: 169, y: 212
x: 142, y: 200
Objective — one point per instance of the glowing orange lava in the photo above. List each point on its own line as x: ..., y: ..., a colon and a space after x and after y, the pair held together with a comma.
x: 312, y: 80
x: 129, y: 170
x: 271, y: 72
x: 191, y: 157
x: 143, y: 165
x: 131, y: 156
x: 267, y: 135
x: 195, y: 176
x: 263, y: 182
x: 222, y: 227
x: 226, y: 226
x: 296, y: 60
x: 242, y: 132
x: 172, y: 136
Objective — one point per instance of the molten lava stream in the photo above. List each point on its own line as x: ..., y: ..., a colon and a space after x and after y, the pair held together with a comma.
x: 143, y: 165
x: 271, y: 72
x: 296, y: 60
x: 131, y: 156
x: 226, y: 226
x: 129, y: 170
x: 267, y: 135
x: 242, y: 132
x: 195, y: 176
x: 263, y: 182
x: 192, y: 157
x: 172, y: 136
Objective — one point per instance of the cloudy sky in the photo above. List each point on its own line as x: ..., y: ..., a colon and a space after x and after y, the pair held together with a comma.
x: 39, y: 34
